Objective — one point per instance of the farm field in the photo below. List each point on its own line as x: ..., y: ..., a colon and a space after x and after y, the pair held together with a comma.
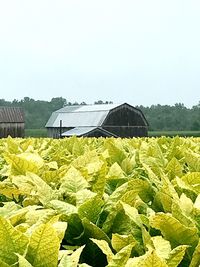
x: 100, y: 202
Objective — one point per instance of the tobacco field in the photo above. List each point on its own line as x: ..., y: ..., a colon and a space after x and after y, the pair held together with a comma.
x: 100, y: 202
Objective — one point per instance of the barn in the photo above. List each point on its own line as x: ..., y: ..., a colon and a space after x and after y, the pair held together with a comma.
x: 11, y: 122
x: 104, y: 120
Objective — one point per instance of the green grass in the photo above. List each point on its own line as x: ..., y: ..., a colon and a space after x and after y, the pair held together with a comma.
x: 174, y: 133
x: 35, y: 132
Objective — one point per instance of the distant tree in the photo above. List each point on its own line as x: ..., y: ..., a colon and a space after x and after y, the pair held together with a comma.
x: 58, y: 102
x: 75, y: 104
x: 195, y: 126
x: 99, y: 102
x: 3, y: 102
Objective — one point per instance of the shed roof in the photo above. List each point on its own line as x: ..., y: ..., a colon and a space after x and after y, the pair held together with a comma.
x: 81, y: 131
x: 80, y: 116
x: 11, y: 114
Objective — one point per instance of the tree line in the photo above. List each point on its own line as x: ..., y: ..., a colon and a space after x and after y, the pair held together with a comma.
x: 160, y: 117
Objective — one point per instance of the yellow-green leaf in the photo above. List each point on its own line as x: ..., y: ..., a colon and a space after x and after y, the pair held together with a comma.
x: 120, y: 241
x: 176, y: 256
x: 152, y: 260
x: 103, y: 245
x: 11, y: 242
x: 43, y: 247
x: 173, y: 230
x: 23, y: 262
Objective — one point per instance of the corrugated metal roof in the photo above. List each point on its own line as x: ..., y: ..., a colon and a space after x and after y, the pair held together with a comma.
x: 88, y: 108
x: 11, y: 114
x: 80, y: 116
x: 79, y: 131
x: 75, y: 119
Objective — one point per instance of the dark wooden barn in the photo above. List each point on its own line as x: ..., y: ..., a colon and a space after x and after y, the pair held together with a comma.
x: 97, y: 120
x: 11, y: 122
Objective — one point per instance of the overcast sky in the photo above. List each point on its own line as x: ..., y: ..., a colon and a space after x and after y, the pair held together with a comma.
x: 142, y: 52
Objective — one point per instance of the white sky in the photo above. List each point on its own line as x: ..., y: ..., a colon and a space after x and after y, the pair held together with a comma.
x: 142, y: 52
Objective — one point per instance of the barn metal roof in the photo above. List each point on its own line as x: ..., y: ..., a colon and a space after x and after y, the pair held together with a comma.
x: 78, y: 131
x: 81, y: 131
x: 80, y: 116
x: 11, y: 114
x: 88, y: 108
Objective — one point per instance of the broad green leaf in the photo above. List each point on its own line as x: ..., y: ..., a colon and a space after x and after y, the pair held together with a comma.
x: 121, y: 241
x: 71, y: 260
x: 3, y: 264
x: 18, y: 217
x: 33, y: 185
x: 193, y: 161
x: 132, y: 213
x: 94, y: 167
x: 49, y: 216
x: 73, y: 181
x: 130, y: 197
x: 181, y: 215
x: 192, y: 179
x: 115, y: 171
x: 121, y: 257
x: 75, y: 230
x: 186, y: 204
x: 173, y: 230
x: 195, y: 261
x: 116, y: 153
x: 52, y: 165
x: 197, y: 203
x: 62, y: 207
x: 153, y: 260
x: 147, y: 240
x: 43, y: 247
x: 174, y: 168
x: 97, y: 180
x: 91, y: 209
x: 92, y: 231
x: 167, y: 194
x: 23, y: 262
x: 13, y: 146
x: 9, y: 208
x: 103, y: 245
x: 37, y: 214
x: 60, y: 228
x: 176, y: 256
x: 83, y: 195
x: 137, y: 186
x: 162, y: 246
x: 11, y: 242
x: 128, y: 165
x: 24, y: 162
x: 9, y: 190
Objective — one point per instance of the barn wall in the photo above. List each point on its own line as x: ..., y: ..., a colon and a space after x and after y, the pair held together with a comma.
x: 124, y: 116
x: 12, y: 129
x: 55, y: 132
x: 127, y: 131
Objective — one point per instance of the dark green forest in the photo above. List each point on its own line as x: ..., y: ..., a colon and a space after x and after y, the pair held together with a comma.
x: 160, y: 117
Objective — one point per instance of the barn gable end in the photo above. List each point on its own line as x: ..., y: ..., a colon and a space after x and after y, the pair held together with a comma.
x: 126, y: 121
x: 11, y: 122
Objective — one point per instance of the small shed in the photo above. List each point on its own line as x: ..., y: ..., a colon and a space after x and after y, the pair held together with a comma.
x: 11, y: 122
x: 98, y: 120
